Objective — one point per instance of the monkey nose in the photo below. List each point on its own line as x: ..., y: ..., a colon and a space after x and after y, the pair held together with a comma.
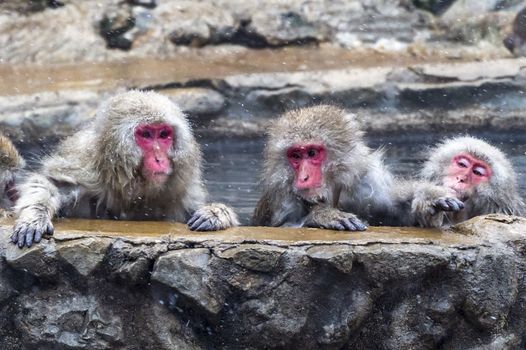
x: 305, y: 178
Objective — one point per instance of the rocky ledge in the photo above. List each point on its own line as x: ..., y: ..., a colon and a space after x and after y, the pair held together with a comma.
x: 151, y: 285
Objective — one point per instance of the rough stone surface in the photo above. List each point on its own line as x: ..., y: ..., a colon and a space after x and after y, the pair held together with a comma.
x: 458, y: 96
x: 387, y: 288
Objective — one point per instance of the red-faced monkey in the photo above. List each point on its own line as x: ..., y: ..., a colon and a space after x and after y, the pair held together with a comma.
x: 318, y: 172
x: 11, y: 165
x: 139, y: 160
x: 479, y: 174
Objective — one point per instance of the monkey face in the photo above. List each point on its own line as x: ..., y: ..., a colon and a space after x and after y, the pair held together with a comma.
x: 465, y: 173
x: 306, y: 161
x: 155, y: 141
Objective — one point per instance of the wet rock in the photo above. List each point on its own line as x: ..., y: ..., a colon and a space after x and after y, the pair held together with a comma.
x: 84, y: 255
x: 457, y: 289
x: 468, y: 8
x: 282, y: 27
x: 188, y: 272
x: 40, y: 260
x: 339, y: 257
x: 197, y: 101
x: 67, y: 320
x: 195, y: 24
x: 255, y: 257
x: 115, y: 23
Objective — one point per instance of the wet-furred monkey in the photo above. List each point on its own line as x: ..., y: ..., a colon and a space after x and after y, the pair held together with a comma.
x: 318, y: 172
x: 138, y: 160
x: 316, y: 165
x: 480, y: 175
x: 11, y: 165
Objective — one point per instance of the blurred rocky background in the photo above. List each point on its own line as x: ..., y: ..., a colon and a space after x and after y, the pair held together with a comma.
x: 402, y: 65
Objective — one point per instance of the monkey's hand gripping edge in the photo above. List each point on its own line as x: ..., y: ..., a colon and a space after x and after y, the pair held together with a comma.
x: 333, y: 219
x: 213, y: 217
x: 30, y: 227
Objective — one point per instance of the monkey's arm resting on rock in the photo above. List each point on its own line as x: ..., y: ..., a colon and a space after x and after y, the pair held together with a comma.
x: 428, y: 203
x: 39, y: 202
x: 324, y: 216
x: 213, y: 217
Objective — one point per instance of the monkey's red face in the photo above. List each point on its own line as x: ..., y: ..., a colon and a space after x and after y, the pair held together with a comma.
x: 466, y: 172
x: 155, y: 140
x: 306, y: 161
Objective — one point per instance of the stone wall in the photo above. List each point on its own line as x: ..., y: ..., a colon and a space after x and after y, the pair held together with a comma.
x: 123, y: 285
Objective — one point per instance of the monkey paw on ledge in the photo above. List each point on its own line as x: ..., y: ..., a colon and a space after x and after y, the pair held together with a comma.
x: 116, y: 284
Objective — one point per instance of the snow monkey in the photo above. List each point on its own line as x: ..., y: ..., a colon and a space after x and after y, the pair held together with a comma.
x: 138, y: 160
x: 318, y: 172
x: 480, y: 175
x: 11, y: 165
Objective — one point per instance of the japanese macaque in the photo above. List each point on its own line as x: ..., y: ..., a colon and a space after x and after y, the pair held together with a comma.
x: 11, y: 165
x: 515, y: 42
x: 137, y: 160
x: 479, y: 174
x: 318, y: 172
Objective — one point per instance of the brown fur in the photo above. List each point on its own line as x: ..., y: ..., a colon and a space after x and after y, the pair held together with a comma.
x: 11, y: 164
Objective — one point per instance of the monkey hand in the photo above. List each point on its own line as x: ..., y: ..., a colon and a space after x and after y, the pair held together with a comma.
x: 333, y: 219
x: 30, y: 228
x: 213, y: 217
x: 446, y: 204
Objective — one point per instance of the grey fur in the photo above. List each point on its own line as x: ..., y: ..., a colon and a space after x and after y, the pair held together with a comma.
x: 355, y: 178
x: 499, y: 195
x: 96, y: 173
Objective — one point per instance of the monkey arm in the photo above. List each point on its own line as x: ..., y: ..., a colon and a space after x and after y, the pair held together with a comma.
x: 427, y: 203
x: 263, y: 213
x: 327, y: 217
x: 40, y: 199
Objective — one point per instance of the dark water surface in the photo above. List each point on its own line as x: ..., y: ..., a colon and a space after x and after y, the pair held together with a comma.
x: 233, y: 166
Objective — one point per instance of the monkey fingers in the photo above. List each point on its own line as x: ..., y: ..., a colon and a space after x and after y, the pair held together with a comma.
x: 200, y: 222
x: 449, y: 204
x: 24, y: 234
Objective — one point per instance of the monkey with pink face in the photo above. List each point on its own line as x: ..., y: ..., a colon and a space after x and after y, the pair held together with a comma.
x: 479, y: 174
x: 138, y: 160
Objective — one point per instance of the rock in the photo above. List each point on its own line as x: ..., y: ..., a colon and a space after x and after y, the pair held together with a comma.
x: 67, y: 320
x: 197, y: 101
x: 195, y: 24
x: 283, y: 27
x: 84, y: 255
x: 410, y: 288
x: 188, y: 272
x: 339, y: 257
x: 255, y: 257
x: 462, y: 9
x: 40, y: 260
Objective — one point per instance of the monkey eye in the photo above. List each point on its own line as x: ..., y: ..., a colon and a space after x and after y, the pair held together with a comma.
x: 295, y: 155
x: 480, y: 171
x: 164, y: 134
x: 312, y: 152
x: 463, y: 163
x: 146, y: 134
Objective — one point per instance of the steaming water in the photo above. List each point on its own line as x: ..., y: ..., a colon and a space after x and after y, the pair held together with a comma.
x: 233, y: 166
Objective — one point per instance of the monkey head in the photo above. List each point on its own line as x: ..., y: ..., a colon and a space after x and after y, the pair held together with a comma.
x: 470, y: 167
x: 310, y: 152
x: 142, y: 135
